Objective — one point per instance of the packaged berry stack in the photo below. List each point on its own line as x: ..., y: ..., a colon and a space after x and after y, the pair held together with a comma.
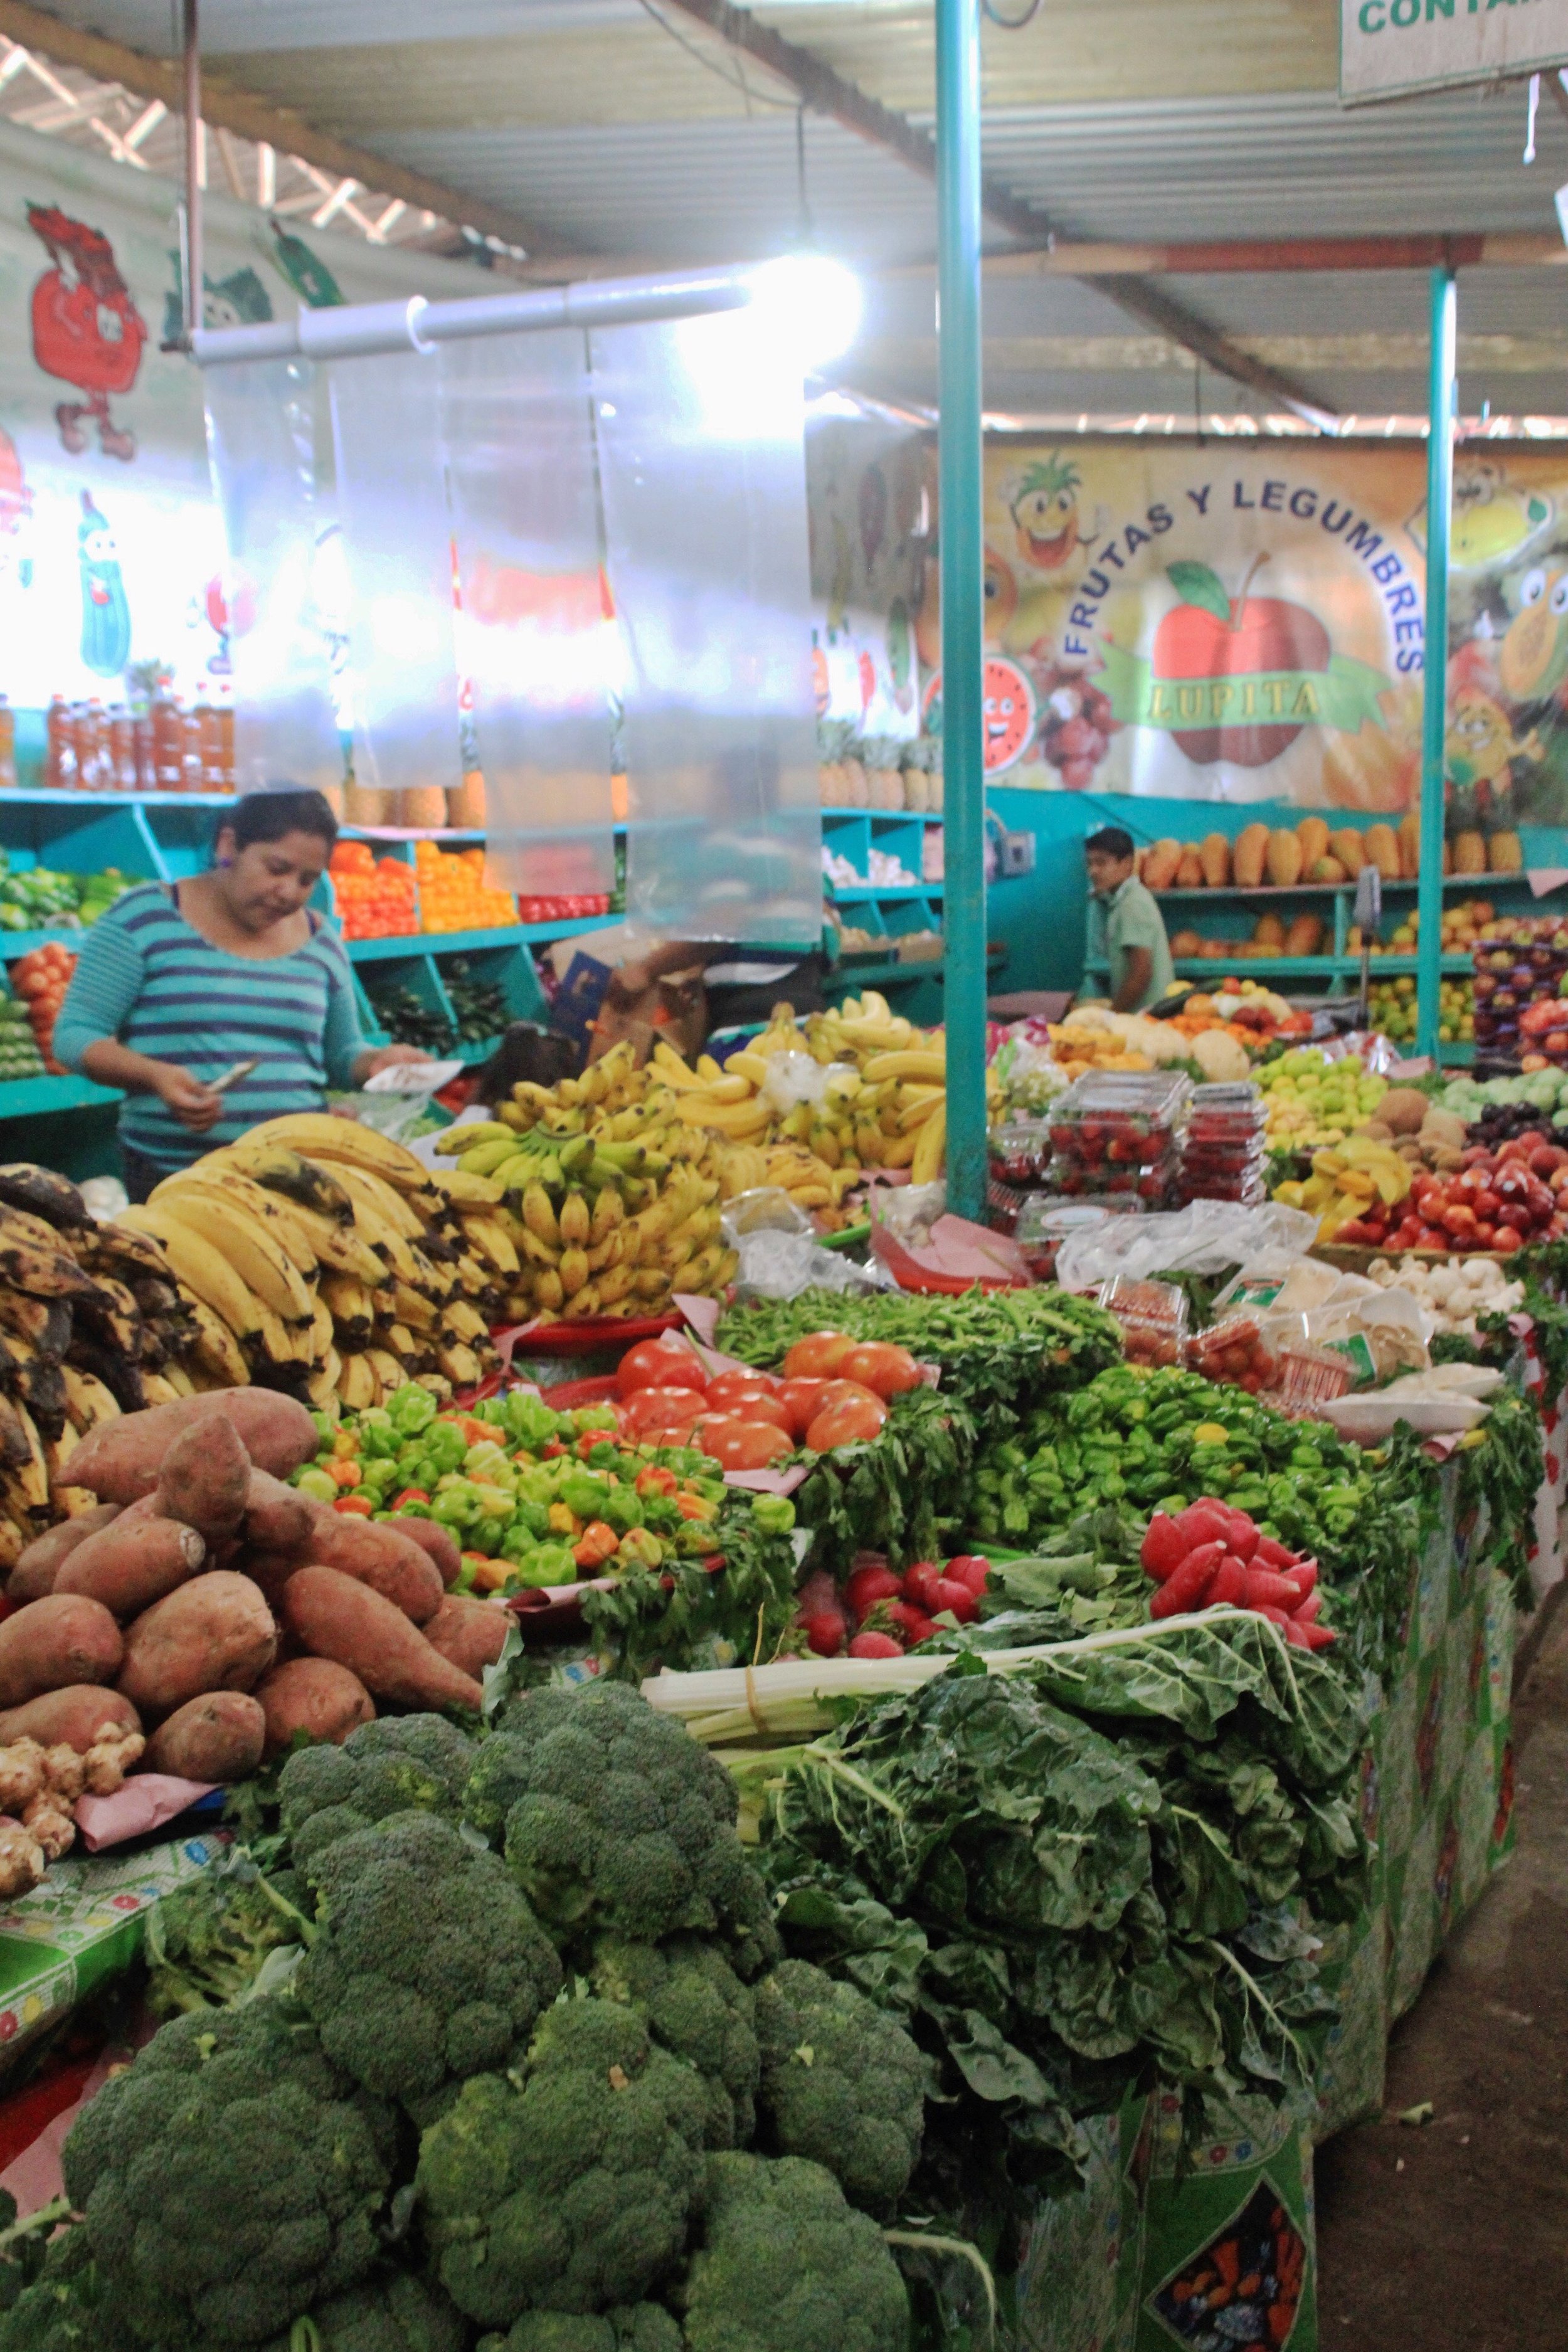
x: 1223, y: 1148
x: 1115, y: 1139
x: 1153, y: 1315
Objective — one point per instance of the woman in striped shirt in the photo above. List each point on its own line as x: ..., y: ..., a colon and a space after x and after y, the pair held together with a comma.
x: 180, y: 980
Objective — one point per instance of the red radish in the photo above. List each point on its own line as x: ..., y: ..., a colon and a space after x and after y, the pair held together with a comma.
x: 914, y: 1622
x: 1295, y: 1635
x: 1319, y: 1636
x: 1307, y: 1612
x: 875, y: 1645
x: 825, y: 1632
x: 1164, y: 1546
x: 920, y: 1581
x: 1265, y: 1590
x: 1271, y: 1554
x: 1244, y: 1536
x: 971, y: 1568
x: 867, y: 1586
x: 955, y: 1599
x: 1303, y: 1576
x: 1203, y: 1523
x: 1275, y: 1617
x: 1186, y: 1587
x: 1229, y: 1583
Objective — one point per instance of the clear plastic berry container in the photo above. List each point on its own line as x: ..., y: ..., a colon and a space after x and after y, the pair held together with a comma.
x: 1116, y: 1118
x: 1237, y: 1352
x: 1020, y: 1151
x: 1044, y: 1224
x: 1309, y: 1376
x: 1228, y: 1114
x: 1149, y: 1184
x: 1153, y: 1315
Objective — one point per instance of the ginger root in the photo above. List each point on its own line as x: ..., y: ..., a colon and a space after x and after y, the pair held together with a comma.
x: 21, y: 1860
x: 114, y: 1751
x: 50, y: 1824
x: 24, y: 1773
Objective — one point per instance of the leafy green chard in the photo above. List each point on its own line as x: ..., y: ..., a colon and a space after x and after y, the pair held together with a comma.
x: 901, y: 1492
x: 686, y: 1616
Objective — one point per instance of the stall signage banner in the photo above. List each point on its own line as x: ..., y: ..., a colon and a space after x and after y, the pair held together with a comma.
x: 1390, y: 48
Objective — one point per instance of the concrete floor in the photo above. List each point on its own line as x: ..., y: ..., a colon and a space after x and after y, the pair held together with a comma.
x: 1452, y: 2237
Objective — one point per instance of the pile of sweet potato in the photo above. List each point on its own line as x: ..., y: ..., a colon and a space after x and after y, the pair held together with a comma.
x: 211, y: 1605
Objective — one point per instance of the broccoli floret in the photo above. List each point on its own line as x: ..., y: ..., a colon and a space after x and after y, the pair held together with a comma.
x: 391, y: 2313
x: 613, y: 1820
x: 842, y: 2084
x: 68, y: 2307
x: 398, y: 1764
x: 696, y: 2006
x: 428, y: 1965
x: 574, y: 2193
x: 644, y: 2328
x: 785, y: 2265
x: 207, y: 1940
x: 231, y: 2179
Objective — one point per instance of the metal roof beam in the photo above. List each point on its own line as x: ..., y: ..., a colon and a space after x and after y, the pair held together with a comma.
x: 828, y: 92
x: 228, y: 107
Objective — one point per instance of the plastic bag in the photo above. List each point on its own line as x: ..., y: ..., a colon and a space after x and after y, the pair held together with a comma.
x: 796, y: 1079
x: 777, y: 1265
x: 1202, y: 1239
x: 765, y: 1208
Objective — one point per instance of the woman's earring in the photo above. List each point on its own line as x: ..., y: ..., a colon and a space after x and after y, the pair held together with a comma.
x: 226, y: 861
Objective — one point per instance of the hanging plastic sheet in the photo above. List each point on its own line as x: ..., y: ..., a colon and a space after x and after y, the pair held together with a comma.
x: 703, y: 478
x: 286, y: 629
x: 397, y: 548
x: 534, y: 635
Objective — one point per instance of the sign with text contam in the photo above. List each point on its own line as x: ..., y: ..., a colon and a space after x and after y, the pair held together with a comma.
x: 1389, y: 48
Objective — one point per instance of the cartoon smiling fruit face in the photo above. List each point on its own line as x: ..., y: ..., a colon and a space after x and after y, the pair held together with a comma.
x: 1481, y: 741
x: 1533, y: 656
x: 1009, y: 714
x: 1045, y: 513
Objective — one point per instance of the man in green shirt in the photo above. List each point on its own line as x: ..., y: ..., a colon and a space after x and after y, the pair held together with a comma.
x: 1126, y: 929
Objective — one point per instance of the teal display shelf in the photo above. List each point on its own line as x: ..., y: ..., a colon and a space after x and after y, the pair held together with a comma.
x: 442, y: 943
x: 1328, y: 966
x: 36, y: 1098
x: 845, y: 894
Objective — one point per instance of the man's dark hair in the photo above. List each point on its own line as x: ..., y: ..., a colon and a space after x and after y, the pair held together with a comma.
x: 270, y: 815
x: 1111, y: 842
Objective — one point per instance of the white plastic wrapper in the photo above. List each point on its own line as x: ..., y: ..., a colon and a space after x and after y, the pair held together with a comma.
x: 776, y: 1266
x: 796, y: 1079
x: 1203, y: 1239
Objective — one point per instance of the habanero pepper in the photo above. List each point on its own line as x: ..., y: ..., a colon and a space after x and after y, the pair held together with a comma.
x: 354, y: 1507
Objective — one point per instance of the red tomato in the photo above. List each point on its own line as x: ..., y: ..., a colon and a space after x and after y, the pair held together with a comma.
x: 887, y: 1370
x: 746, y: 1445
x: 851, y: 1422
x: 849, y: 1392
x: 646, y: 1408
x: 660, y: 1363
x: 802, y: 1400
x: 818, y: 1356
x: 668, y: 1433
x: 738, y: 1388
x: 770, y: 1408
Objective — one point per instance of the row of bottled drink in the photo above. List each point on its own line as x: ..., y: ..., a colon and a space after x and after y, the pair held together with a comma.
x: 161, y: 745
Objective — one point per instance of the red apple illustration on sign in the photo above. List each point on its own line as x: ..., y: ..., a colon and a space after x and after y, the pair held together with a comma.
x: 1210, y: 637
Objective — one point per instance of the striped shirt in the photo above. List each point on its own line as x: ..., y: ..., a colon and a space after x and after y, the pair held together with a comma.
x: 148, y: 977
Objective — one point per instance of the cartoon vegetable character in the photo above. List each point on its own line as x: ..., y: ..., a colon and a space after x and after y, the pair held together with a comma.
x: 1045, y: 512
x: 105, y: 615
x: 86, y: 327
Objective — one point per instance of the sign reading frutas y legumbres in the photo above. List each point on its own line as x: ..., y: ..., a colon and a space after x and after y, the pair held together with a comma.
x: 1388, y: 47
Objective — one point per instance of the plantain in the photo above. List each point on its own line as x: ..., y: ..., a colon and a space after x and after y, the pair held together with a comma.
x: 389, y: 1372
x: 352, y: 1306
x: 278, y: 1169
x: 488, y: 1239
x: 30, y: 1477
x: 88, y: 1401
x: 38, y: 1326
x: 43, y: 1194
x: 278, y: 1216
x: 280, y: 1344
x: 39, y: 1271
x: 322, y: 1388
x: 357, y: 1385
x: 342, y: 1142
x: 246, y: 1242
x: 216, y: 1352
x: 375, y: 1230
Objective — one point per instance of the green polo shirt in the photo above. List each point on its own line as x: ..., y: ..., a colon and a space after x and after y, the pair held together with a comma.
x: 1129, y: 917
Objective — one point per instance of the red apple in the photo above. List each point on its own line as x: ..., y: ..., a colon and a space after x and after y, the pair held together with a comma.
x: 1258, y: 635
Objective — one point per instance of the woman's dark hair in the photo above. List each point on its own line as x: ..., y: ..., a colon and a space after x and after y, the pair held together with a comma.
x: 268, y: 817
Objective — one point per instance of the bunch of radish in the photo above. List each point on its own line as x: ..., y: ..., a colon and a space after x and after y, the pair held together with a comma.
x: 1209, y: 1555
x: 891, y: 1613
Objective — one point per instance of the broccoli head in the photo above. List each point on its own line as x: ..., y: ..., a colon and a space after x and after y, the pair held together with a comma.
x: 785, y: 2265
x: 391, y: 2313
x: 696, y: 2006
x: 69, y: 2306
x: 572, y: 2194
x: 231, y: 2177
x: 399, y: 1764
x: 614, y: 1820
x: 842, y: 2084
x: 639, y: 2327
x: 207, y: 1940
x: 426, y: 1964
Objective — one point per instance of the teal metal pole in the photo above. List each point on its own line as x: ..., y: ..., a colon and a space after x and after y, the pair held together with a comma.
x: 962, y: 604
x: 1434, y: 681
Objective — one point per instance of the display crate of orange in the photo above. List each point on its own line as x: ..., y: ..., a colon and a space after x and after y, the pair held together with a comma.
x: 376, y: 898
x: 453, y: 894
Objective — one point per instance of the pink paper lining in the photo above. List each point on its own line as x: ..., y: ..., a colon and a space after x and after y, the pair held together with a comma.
x: 957, y: 1249
x: 768, y: 1482
x: 144, y: 1802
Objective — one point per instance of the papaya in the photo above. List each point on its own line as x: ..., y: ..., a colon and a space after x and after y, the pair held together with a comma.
x: 1214, y: 951
x: 1214, y: 855
x: 1246, y: 858
x: 1410, y: 848
x: 1349, y: 847
x: 1305, y: 936
x: 1161, y: 860
x: 1382, y: 850
x: 1190, y: 871
x: 1186, y: 943
x: 1314, y: 836
x: 1269, y: 931
x: 1505, y: 853
x: 1328, y: 869
x: 1283, y: 859
x: 1470, y: 854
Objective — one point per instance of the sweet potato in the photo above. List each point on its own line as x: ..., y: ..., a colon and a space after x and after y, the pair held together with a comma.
x: 438, y: 1541
x: 278, y: 1519
x: 218, y: 1736
x: 71, y: 1717
x: 334, y: 1616
x: 203, y: 1475
x: 42, y: 1560
x: 380, y: 1554
x: 215, y: 1634
x: 120, y: 1460
x: 64, y: 1638
x: 314, y: 1695
x: 468, y: 1632
x: 132, y: 1564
